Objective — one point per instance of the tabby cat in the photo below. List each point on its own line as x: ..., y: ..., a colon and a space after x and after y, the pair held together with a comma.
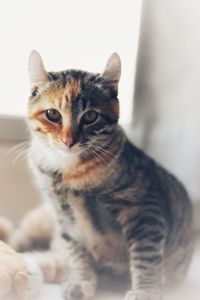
x: 117, y: 210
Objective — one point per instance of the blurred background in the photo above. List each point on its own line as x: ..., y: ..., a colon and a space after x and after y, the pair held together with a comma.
x: 68, y: 34
x: 167, y: 94
x: 159, y: 44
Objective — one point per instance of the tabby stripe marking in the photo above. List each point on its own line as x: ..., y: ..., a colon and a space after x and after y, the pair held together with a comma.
x: 149, y: 259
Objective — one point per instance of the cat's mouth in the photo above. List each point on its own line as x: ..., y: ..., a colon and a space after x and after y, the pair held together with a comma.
x: 64, y: 150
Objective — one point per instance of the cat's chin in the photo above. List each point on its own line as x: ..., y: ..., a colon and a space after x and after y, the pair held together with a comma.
x: 65, y: 151
x: 68, y: 153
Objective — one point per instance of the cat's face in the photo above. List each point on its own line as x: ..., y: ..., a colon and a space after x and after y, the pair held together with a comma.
x: 73, y: 112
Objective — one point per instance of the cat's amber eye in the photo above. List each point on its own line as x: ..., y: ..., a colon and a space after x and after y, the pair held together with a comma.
x: 53, y: 116
x: 89, y: 117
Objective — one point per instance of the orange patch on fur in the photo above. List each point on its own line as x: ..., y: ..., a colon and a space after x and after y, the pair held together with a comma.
x: 91, y: 172
x: 86, y: 174
x: 63, y: 96
x: 59, y: 98
x: 72, y: 89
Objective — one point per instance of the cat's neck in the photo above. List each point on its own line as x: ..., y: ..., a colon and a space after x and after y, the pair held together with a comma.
x: 90, y: 173
x: 78, y: 171
x: 47, y: 158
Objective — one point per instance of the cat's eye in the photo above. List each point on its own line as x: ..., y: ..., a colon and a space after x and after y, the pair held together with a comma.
x: 53, y: 116
x: 89, y: 117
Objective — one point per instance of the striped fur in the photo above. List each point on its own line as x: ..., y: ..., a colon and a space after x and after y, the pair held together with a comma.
x: 117, y: 209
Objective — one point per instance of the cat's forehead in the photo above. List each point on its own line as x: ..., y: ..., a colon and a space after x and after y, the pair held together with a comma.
x: 64, y: 94
x: 75, y: 90
x: 67, y: 85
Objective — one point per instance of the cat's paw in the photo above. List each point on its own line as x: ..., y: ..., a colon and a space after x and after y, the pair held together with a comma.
x: 35, y: 277
x: 142, y: 296
x: 78, y: 290
x: 133, y: 296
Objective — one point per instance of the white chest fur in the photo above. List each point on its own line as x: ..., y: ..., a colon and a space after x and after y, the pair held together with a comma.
x: 107, y: 248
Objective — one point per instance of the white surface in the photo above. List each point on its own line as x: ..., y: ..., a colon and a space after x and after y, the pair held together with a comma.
x: 190, y: 290
x: 69, y: 34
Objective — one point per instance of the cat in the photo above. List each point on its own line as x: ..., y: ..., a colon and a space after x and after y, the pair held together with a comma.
x: 117, y: 210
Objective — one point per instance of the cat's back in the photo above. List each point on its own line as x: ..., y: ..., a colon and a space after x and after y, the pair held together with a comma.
x: 141, y: 174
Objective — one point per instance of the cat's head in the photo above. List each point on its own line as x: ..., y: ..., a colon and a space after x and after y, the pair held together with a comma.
x: 73, y: 111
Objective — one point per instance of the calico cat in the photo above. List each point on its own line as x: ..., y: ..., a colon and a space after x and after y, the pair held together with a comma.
x: 117, y: 209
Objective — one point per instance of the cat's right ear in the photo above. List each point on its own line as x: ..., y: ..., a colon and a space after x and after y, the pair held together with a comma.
x: 37, y: 74
x: 112, y: 71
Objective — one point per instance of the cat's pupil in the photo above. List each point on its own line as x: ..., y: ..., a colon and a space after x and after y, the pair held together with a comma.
x: 53, y: 115
x: 89, y: 117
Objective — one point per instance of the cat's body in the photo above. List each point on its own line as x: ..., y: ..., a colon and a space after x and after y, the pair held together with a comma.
x: 117, y: 210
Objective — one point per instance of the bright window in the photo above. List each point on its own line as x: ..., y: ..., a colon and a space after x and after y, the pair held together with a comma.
x: 78, y: 34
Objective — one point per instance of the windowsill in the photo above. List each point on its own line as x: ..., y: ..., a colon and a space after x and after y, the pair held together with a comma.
x: 12, y: 129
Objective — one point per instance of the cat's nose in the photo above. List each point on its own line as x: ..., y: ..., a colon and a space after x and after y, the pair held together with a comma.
x: 68, y: 141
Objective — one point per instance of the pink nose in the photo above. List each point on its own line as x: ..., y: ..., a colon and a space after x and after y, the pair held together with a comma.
x: 68, y: 141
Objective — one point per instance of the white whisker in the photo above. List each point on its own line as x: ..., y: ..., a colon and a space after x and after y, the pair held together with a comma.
x: 20, y: 155
x: 105, y: 152
x: 96, y: 153
x: 18, y: 147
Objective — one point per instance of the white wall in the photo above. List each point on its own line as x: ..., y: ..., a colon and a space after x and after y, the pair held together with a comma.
x: 18, y: 193
x: 167, y: 98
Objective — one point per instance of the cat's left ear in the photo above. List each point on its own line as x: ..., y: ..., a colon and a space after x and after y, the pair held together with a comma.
x: 37, y: 73
x: 112, y: 71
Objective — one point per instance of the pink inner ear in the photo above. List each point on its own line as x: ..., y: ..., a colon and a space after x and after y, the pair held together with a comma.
x: 37, y: 73
x: 113, y: 69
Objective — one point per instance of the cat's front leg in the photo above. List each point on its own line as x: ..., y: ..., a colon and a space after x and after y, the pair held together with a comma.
x: 81, y: 280
x: 145, y: 235
x: 131, y: 295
